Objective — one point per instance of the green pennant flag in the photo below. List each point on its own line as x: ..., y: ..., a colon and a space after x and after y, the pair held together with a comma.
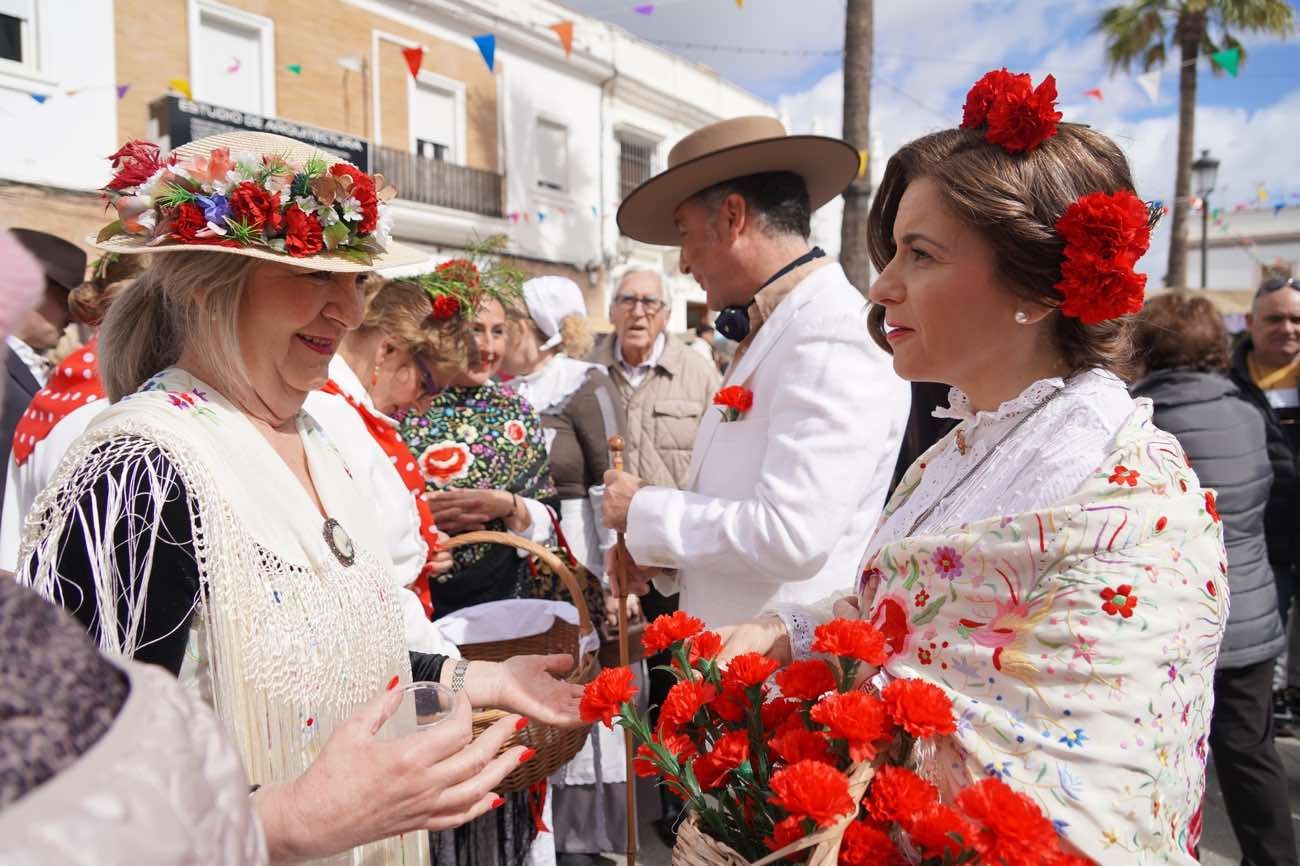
x: 1229, y: 59
x: 295, y: 68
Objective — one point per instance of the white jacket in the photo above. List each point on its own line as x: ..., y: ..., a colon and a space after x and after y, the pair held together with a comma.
x: 781, y: 503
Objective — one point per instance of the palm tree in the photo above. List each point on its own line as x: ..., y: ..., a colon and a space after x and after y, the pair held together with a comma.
x: 1137, y: 33
x: 858, y: 47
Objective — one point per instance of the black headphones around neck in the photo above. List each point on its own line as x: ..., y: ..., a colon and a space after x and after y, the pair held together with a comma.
x: 733, y: 321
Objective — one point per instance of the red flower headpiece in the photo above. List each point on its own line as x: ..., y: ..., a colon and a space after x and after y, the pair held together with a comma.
x: 1105, y: 235
x: 1014, y: 113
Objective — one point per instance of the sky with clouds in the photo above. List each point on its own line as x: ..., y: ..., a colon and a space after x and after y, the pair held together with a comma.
x: 929, y: 52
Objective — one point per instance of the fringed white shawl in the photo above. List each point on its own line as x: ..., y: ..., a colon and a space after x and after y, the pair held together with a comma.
x: 287, y: 641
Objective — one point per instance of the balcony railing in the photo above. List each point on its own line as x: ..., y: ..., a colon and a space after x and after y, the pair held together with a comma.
x: 445, y: 184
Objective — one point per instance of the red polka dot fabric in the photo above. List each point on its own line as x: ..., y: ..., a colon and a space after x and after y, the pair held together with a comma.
x: 73, y: 384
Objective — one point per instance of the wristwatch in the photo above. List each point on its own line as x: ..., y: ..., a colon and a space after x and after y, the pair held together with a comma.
x: 458, y: 675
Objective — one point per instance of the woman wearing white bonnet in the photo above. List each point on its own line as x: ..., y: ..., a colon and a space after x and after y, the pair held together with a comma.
x: 579, y: 411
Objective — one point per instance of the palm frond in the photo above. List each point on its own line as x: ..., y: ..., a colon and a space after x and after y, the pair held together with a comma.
x: 1134, y: 29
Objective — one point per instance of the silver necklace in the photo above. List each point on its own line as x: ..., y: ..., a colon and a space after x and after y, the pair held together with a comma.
x: 979, y: 463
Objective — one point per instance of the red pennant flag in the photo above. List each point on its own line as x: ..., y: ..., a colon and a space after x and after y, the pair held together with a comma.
x: 414, y: 59
x: 564, y: 30
x: 1095, y: 93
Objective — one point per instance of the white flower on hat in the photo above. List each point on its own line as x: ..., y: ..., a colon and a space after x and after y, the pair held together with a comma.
x: 351, y: 208
x: 384, y: 228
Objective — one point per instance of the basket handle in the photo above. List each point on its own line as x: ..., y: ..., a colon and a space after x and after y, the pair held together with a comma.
x: 570, y: 582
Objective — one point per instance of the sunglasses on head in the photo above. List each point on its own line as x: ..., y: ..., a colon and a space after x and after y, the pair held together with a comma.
x: 1276, y: 284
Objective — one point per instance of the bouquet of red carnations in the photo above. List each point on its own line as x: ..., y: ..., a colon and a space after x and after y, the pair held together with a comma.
x: 815, y: 773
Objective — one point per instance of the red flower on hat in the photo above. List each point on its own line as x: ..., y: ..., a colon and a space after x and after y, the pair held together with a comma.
x: 252, y: 204
x: 1105, y: 234
x: 363, y: 190
x: 1014, y: 113
x: 188, y: 222
x: 302, y: 234
x: 445, y: 307
x: 133, y: 164
x: 603, y: 697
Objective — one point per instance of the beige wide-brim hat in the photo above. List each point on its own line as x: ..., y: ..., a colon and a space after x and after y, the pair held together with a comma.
x: 295, y: 153
x: 725, y: 151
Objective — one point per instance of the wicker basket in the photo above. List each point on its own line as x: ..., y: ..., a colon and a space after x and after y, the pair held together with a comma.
x: 694, y: 847
x: 555, y: 746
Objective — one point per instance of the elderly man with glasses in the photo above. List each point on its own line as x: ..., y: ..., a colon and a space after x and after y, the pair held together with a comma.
x: 1266, y: 366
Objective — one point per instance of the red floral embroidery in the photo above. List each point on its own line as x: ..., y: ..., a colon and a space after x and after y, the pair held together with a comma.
x: 922, y: 598
x: 1122, y: 476
x: 1119, y: 600
x: 1211, y: 588
x: 1211, y: 508
x: 1161, y: 524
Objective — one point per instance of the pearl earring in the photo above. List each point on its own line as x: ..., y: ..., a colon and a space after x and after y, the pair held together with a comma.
x: 1022, y: 318
x: 374, y: 378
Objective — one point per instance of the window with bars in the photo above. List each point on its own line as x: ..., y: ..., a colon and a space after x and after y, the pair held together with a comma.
x: 635, y: 164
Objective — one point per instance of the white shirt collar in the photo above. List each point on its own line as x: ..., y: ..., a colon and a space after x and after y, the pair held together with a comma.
x: 350, y: 384
x: 959, y: 407
x: 38, y: 365
x: 656, y: 352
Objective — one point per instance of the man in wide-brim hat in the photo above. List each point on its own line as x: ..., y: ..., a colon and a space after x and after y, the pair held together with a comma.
x: 791, y: 465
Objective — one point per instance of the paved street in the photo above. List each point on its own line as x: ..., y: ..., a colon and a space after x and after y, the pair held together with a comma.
x: 1218, y: 846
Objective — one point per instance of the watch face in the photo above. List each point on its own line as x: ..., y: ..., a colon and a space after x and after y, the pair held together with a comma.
x: 340, y: 543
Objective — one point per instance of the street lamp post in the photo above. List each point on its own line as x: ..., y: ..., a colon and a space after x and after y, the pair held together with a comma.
x: 1205, y: 170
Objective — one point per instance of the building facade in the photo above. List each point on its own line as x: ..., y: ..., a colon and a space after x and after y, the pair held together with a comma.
x: 541, y: 146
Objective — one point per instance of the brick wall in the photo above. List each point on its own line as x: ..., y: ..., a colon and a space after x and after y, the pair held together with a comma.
x: 69, y: 215
x: 153, y: 47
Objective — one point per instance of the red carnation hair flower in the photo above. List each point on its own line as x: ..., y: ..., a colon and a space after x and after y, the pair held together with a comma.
x: 1015, y: 829
x: 857, y: 718
x: 851, y: 638
x: 1015, y: 115
x: 444, y: 307
x: 603, y: 697
x: 668, y: 629
x: 1105, y: 234
x: 808, y: 679
x: 812, y: 789
x: 749, y: 669
x: 920, y: 708
x: 799, y: 744
x: 461, y: 271
x: 685, y: 699
x: 899, y: 795
x: 865, y: 845
x: 133, y: 164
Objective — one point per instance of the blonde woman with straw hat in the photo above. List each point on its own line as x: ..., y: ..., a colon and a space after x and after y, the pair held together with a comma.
x: 206, y: 523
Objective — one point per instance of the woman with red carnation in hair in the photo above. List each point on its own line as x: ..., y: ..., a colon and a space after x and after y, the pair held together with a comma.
x: 1051, y: 564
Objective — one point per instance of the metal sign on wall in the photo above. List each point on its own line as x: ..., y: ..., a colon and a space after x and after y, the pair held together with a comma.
x: 180, y: 121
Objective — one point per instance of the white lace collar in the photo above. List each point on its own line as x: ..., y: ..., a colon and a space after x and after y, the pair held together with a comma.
x: 959, y: 407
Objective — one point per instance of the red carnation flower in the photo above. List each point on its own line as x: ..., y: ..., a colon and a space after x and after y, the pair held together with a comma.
x: 684, y: 701
x: 445, y: 307
x: 680, y: 745
x: 188, y: 222
x: 704, y: 646
x: 812, y: 789
x: 668, y: 630
x: 302, y: 234
x: 254, y: 205
x: 459, y: 271
x: 1105, y: 235
x: 1211, y: 507
x: 603, y: 697
x: 729, y: 752
x: 808, y: 679
x: 799, y: 744
x: 865, y: 845
x: 899, y: 795
x: 735, y: 397
x: 133, y: 164
x: 920, y: 708
x: 363, y: 190
x: 855, y: 717
x: 644, y: 762
x: 1015, y: 830
x: 786, y: 832
x: 851, y: 638
x: 1020, y: 119
x: 731, y: 703
x: 980, y: 98
x: 749, y: 669
x: 777, y: 712
x: 942, y: 832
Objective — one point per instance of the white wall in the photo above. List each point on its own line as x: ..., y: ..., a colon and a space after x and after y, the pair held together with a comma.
x: 62, y: 142
x: 1232, y: 264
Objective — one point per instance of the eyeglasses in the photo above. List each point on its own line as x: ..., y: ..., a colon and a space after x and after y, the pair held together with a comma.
x: 629, y: 302
x: 1276, y: 284
x: 428, y: 387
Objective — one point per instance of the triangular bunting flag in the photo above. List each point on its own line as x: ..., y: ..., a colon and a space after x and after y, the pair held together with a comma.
x: 564, y: 30
x: 740, y: 4
x: 71, y: 92
x: 1261, y: 193
x: 414, y: 59
x: 594, y: 212
x: 1095, y: 93
x: 1150, y: 84
x: 487, y: 46
x: 644, y: 9
x: 541, y: 216
x: 295, y: 68
x: 122, y: 89
x: 1277, y: 208
x: 181, y: 86
x: 40, y: 98
x: 1228, y: 60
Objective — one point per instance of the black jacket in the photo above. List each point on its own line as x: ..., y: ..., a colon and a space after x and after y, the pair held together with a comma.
x: 1282, y: 520
x: 1223, y: 436
x: 20, y: 386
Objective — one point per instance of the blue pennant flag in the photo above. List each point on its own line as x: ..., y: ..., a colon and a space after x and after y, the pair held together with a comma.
x: 39, y: 98
x: 487, y: 46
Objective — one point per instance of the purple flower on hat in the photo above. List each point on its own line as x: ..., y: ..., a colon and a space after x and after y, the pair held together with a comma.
x: 216, y: 208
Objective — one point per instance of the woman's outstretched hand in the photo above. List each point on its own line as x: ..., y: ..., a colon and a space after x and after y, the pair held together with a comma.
x: 362, y: 788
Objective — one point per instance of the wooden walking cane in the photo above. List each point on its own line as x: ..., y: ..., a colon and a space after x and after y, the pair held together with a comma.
x: 621, y: 556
